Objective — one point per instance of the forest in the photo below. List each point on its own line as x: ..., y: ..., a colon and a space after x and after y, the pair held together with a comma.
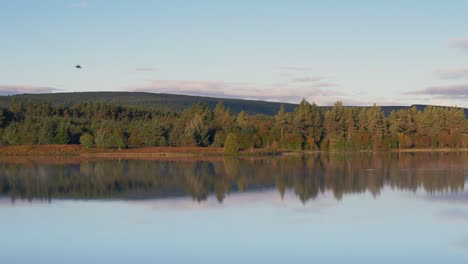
x: 307, y: 127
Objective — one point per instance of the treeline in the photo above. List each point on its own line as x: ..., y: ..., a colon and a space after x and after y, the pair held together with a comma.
x: 308, y: 127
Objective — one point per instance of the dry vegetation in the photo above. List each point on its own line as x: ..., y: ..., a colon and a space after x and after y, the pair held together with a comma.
x: 78, y: 150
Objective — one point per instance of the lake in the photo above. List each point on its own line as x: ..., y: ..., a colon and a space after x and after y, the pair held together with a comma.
x: 323, y: 208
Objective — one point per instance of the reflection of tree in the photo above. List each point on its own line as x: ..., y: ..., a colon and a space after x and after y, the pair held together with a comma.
x: 308, y: 176
x: 199, y: 179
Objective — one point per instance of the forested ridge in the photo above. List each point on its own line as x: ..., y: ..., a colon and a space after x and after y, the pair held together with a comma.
x: 160, y: 101
x: 166, y: 102
x: 307, y: 127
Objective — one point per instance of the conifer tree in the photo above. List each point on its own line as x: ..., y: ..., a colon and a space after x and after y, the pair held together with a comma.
x: 63, y: 133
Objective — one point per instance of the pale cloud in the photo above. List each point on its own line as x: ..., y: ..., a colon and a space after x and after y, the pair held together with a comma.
x: 21, y: 89
x: 280, y: 92
x: 322, y: 93
x: 80, y: 4
x: 145, y: 69
x: 443, y: 101
x: 307, y: 79
x: 450, y: 91
x: 461, y: 43
x: 323, y: 84
x: 455, y: 73
x: 368, y: 102
x: 183, y: 86
x: 296, y: 68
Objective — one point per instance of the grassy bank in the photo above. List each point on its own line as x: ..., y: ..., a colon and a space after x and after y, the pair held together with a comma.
x: 152, y: 152
x: 78, y: 150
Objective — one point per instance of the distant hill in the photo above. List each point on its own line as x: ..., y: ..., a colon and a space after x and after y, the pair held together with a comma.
x: 172, y: 102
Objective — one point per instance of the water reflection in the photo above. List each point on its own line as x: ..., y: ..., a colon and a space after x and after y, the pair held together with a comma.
x: 307, y: 176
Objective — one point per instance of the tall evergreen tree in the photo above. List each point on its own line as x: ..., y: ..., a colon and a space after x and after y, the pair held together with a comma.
x: 47, y: 132
x: 335, y: 126
x: 376, y: 125
x: 63, y: 133
x: 281, y: 119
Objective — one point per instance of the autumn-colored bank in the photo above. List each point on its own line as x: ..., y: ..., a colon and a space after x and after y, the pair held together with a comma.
x: 78, y: 150
x: 150, y: 152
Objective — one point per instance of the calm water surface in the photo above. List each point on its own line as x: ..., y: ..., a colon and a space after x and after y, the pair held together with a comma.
x: 354, y: 208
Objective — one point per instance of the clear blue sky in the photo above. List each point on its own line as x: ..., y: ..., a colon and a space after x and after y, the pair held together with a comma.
x: 360, y: 52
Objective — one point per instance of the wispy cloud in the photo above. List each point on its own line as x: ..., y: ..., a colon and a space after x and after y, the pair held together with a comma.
x: 80, y: 4
x: 322, y: 84
x: 451, y: 91
x: 306, y: 79
x: 21, y: 89
x: 295, y: 68
x: 367, y: 102
x: 452, y: 73
x: 461, y: 43
x: 322, y: 93
x: 281, y: 92
x: 145, y: 69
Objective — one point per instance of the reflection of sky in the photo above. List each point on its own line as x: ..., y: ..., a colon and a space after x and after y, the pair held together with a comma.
x: 396, y: 227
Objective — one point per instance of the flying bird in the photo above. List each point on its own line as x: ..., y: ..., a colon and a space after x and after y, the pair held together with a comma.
x: 78, y: 66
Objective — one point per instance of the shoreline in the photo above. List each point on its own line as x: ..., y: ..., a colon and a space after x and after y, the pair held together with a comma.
x: 144, y: 152
x: 169, y: 152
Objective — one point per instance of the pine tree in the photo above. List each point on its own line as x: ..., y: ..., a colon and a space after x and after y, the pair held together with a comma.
x: 63, y: 133
x: 231, y: 145
x: 47, y: 132
x: 28, y: 131
x: 10, y: 134
x: 376, y: 126
x: 335, y: 126
x: 281, y: 121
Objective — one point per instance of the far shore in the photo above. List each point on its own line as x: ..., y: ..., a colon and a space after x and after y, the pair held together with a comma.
x: 78, y: 150
x: 168, y: 152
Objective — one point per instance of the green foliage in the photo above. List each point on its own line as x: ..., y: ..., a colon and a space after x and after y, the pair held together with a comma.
x: 87, y: 140
x: 143, y: 133
x: 334, y: 125
x: 292, y: 141
x: 308, y: 127
x: 219, y: 139
x: 27, y: 134
x: 110, y: 134
x: 3, y: 116
x: 120, y: 139
x: 194, y: 127
x: 103, y: 136
x: 47, y: 132
x: 63, y: 134
x: 231, y: 145
x: 10, y: 135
